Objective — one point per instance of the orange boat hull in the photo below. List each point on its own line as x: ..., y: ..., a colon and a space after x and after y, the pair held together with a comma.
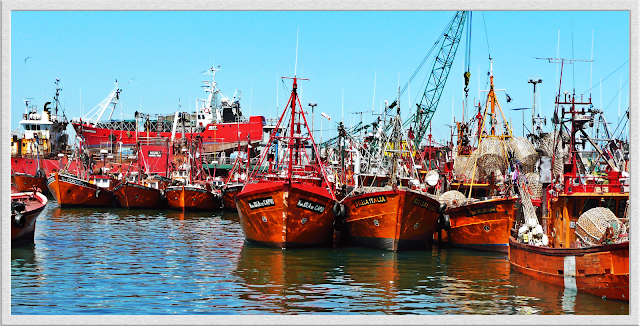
x: 70, y: 191
x: 392, y: 220
x: 188, y: 198
x: 599, y: 270
x: 229, y: 195
x: 24, y: 230
x: 131, y: 195
x: 25, y: 182
x: 482, y: 225
x: 280, y: 215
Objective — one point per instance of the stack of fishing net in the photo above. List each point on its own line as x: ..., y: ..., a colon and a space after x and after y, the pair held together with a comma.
x: 552, y: 143
x: 453, y: 198
x: 599, y: 225
x: 492, y: 155
x: 524, y: 152
x: 531, y: 231
x: 535, y: 186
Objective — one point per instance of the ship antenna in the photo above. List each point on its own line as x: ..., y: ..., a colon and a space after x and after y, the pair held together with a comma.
x: 295, y: 70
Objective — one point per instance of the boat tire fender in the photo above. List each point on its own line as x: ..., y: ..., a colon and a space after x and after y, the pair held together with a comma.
x: 336, y: 210
x: 19, y: 220
x: 446, y: 222
x: 442, y: 208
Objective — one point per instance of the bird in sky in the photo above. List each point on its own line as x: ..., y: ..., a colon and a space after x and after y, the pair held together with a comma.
x: 25, y: 59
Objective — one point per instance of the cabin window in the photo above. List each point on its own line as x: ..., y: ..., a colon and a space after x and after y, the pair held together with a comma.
x: 590, y: 203
x: 621, y: 208
x: 383, y: 182
x: 372, y: 182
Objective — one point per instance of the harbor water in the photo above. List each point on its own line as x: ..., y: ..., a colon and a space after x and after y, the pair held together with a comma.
x: 113, y: 261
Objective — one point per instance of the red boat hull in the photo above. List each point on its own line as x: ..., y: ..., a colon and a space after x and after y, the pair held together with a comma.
x: 131, y: 195
x: 23, y: 228
x: 392, y: 220
x: 188, y: 198
x: 283, y: 215
x: 482, y: 225
x: 599, y: 270
x: 26, y: 182
x: 70, y: 191
x: 213, y: 133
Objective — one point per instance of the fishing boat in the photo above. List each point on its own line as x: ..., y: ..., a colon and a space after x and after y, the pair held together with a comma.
x: 218, y: 121
x: 580, y: 238
x: 192, y: 188
x: 145, y: 188
x: 236, y: 178
x: 88, y: 188
x: 290, y: 204
x: 25, y: 208
x: 482, y: 219
x: 35, y: 149
x: 388, y: 209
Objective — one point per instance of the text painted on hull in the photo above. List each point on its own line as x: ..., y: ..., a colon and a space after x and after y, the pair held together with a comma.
x: 424, y: 204
x: 311, y: 206
x: 261, y: 202
x: 482, y: 210
x: 370, y: 200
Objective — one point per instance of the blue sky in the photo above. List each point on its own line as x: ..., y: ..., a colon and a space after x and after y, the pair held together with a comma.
x: 341, y: 52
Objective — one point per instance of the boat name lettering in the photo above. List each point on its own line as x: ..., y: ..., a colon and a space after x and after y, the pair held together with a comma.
x: 311, y: 206
x: 74, y: 181
x: 482, y: 210
x: 155, y: 153
x: 261, y: 202
x: 213, y: 127
x: 424, y: 204
x: 89, y: 131
x: 371, y: 200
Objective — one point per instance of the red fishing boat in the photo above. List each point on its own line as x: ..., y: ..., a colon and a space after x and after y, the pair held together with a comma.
x: 584, y: 242
x: 146, y: 187
x: 25, y: 208
x: 71, y: 191
x: 484, y: 218
x: 84, y: 189
x: 388, y: 210
x: 218, y: 121
x: 236, y: 178
x: 290, y: 205
x: 192, y: 188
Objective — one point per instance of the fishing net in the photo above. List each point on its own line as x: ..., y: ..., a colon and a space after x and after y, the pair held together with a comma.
x: 523, y: 150
x: 472, y: 170
x: 453, y: 198
x: 459, y: 165
x: 535, y: 186
x: 598, y: 225
x: 492, y: 155
x: 547, y: 144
